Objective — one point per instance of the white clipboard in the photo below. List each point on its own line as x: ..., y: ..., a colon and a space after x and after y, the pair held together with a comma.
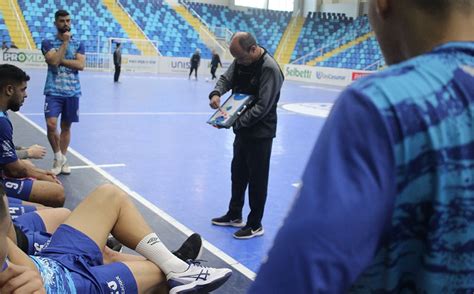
x: 232, y: 108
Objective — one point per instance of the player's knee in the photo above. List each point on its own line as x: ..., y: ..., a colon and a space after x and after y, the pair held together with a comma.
x: 57, y: 196
x: 65, y: 127
x: 51, y: 125
x: 111, y: 193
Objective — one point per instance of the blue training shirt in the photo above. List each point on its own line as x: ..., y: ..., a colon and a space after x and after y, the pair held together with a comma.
x: 387, y: 202
x: 56, y: 278
x: 62, y: 81
x: 8, y: 154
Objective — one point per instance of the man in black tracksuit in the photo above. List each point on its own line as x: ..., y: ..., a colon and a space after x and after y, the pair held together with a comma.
x: 117, y: 62
x: 216, y: 60
x: 253, y: 72
x: 195, y: 61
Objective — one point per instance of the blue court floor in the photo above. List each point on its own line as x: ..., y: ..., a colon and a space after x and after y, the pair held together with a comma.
x: 152, y: 131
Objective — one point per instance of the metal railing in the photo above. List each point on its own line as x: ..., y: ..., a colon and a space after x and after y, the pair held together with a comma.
x: 20, y: 24
x: 139, y: 28
x: 376, y: 65
x: 207, y: 31
x: 319, y: 52
x: 294, y: 20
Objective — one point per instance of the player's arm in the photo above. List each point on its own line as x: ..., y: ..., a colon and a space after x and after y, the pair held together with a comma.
x: 223, y: 85
x: 18, y: 169
x: 52, y: 56
x: 270, y: 84
x: 344, y: 208
x: 20, y: 275
x: 78, y: 64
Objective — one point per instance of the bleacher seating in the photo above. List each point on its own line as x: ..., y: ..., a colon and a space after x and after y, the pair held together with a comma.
x: 268, y: 26
x: 362, y: 56
x: 91, y: 22
x: 319, y: 29
x: 359, y: 56
x: 94, y: 25
x: 5, y: 35
x: 161, y: 23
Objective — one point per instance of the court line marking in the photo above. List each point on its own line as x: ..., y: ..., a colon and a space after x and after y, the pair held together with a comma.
x: 165, y: 216
x: 132, y: 113
x: 322, y: 88
x: 98, y: 165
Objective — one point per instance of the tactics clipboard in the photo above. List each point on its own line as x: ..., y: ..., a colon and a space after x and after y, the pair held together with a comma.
x: 232, y: 108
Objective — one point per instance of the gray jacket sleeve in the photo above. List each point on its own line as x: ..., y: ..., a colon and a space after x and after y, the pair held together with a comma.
x: 225, y: 82
x: 271, y: 81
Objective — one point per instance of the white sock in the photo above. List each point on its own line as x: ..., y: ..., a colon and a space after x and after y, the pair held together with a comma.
x: 58, y: 155
x: 154, y: 250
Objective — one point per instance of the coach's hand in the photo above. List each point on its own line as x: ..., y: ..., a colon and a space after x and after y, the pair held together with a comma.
x: 21, y: 279
x: 215, y: 102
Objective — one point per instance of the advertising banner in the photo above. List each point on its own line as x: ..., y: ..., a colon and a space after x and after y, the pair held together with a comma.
x: 23, y: 58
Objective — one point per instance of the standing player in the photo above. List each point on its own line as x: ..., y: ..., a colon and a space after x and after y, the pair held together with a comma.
x: 387, y: 202
x: 65, y: 58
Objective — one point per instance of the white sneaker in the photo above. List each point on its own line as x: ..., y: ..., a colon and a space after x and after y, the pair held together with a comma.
x: 65, y: 169
x: 197, y: 278
x: 57, y: 166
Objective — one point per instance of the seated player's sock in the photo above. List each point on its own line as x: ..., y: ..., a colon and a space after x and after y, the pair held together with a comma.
x: 154, y: 250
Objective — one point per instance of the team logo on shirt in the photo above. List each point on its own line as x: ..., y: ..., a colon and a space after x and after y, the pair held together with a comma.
x: 8, y: 150
x: 116, y: 286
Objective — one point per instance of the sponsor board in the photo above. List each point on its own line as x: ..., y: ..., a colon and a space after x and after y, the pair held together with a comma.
x: 322, y: 75
x: 23, y: 58
x: 360, y: 74
x: 137, y: 63
x: 299, y: 72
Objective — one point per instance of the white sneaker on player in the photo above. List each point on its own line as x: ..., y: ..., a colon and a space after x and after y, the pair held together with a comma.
x: 57, y: 166
x: 65, y: 169
x: 197, y: 278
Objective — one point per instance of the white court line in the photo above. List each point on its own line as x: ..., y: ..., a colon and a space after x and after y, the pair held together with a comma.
x: 98, y: 165
x: 216, y: 251
x: 131, y: 113
x: 322, y: 88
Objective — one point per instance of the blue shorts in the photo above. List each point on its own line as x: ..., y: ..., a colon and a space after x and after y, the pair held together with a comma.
x: 68, y: 107
x: 34, y: 229
x: 18, y: 188
x: 83, y: 258
x: 16, y: 207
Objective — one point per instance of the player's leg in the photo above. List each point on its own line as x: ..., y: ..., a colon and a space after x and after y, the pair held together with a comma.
x: 128, y: 277
x: 52, y: 110
x: 109, y: 210
x: 70, y: 115
x: 46, y: 193
x: 43, y: 192
x: 53, y: 217
x: 65, y: 137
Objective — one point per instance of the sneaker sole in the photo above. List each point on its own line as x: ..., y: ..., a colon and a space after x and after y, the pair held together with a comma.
x: 202, y: 289
x: 251, y: 236
x: 235, y: 225
x: 65, y: 173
